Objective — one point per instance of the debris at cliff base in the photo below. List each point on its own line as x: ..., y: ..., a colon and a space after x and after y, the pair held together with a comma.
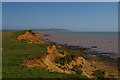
x: 53, y: 61
x: 30, y: 37
x: 59, y: 59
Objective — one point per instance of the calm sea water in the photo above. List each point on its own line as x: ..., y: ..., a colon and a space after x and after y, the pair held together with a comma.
x: 105, y: 41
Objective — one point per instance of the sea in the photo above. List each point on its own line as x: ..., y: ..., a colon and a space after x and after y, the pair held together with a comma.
x: 104, y: 42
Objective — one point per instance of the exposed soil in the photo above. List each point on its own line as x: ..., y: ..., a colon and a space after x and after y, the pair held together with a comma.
x: 30, y: 37
x: 58, y: 60
x: 82, y: 63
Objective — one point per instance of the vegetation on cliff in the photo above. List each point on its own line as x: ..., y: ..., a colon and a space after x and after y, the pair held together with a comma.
x: 48, y: 59
x: 14, y: 53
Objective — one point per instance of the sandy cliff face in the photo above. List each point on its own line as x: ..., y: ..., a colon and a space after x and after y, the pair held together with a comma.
x: 30, y: 37
x: 47, y: 60
x: 67, y: 63
x: 78, y: 63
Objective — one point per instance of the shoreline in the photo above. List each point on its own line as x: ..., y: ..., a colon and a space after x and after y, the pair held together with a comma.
x: 104, y: 42
x: 54, y: 57
x: 86, y: 51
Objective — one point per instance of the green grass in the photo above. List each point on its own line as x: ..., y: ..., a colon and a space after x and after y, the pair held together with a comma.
x: 87, y: 58
x: 65, y: 59
x: 77, y: 70
x: 99, y: 74
x: 12, y: 57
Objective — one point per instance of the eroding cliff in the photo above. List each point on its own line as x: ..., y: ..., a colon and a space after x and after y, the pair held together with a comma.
x: 30, y: 37
x: 53, y: 61
x: 58, y: 59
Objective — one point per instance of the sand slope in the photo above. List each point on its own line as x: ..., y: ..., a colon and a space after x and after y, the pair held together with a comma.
x: 78, y: 63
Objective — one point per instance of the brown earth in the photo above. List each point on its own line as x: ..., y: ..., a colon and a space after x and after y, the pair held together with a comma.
x: 30, y: 37
x: 87, y: 67
x: 48, y: 60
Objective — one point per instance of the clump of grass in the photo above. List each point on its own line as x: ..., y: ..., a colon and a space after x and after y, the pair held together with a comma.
x: 60, y: 61
x: 13, y: 53
x: 65, y: 59
x: 77, y: 69
x: 87, y: 58
x: 23, y: 40
x: 99, y: 74
x: 61, y: 52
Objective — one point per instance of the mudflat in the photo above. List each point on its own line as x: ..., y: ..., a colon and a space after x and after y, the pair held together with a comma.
x: 104, y: 42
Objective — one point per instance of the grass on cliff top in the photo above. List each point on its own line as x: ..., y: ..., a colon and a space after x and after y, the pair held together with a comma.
x: 13, y: 53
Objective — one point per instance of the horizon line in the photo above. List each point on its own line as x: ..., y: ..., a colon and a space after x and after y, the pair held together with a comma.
x: 53, y: 29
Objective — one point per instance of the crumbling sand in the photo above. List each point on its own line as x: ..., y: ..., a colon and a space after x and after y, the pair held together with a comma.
x: 30, y: 37
x: 48, y: 60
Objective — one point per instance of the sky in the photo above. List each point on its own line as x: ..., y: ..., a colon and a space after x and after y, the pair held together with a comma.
x: 60, y: 0
x: 76, y: 16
